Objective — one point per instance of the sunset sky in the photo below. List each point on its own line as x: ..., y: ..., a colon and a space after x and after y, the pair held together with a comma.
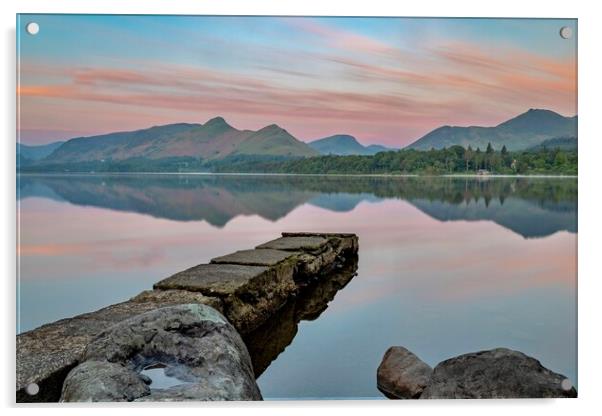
x: 383, y: 80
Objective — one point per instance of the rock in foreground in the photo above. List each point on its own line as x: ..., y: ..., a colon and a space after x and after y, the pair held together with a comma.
x: 194, y: 342
x: 46, y: 355
x: 500, y: 373
x: 495, y: 374
x: 402, y: 375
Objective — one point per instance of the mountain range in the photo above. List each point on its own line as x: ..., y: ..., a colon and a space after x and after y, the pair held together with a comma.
x: 519, y: 133
x: 344, y: 145
x: 214, y: 140
x: 217, y: 141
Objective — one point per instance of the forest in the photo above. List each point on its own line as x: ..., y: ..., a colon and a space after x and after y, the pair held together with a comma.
x: 452, y: 160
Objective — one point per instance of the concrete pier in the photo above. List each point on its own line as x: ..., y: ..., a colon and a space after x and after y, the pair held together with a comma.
x: 248, y: 287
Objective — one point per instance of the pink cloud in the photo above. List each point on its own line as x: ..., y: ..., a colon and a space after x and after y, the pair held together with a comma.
x: 377, y: 92
x: 342, y: 39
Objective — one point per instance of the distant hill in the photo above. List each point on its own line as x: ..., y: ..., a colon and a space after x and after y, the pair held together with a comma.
x: 213, y: 140
x: 344, y: 145
x: 562, y: 143
x: 37, y: 152
x: 522, y: 132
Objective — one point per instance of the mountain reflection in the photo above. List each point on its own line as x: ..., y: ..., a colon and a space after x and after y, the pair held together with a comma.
x: 531, y: 207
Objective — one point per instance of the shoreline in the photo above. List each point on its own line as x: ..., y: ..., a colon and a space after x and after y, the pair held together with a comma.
x: 377, y: 175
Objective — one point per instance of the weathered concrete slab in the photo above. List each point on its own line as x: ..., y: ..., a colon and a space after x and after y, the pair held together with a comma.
x: 344, y: 240
x: 266, y: 257
x: 296, y: 243
x: 251, y: 294
x: 325, y: 235
x: 213, y: 279
x: 46, y: 354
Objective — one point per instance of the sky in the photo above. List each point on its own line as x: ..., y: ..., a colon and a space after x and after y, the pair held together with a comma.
x: 382, y: 80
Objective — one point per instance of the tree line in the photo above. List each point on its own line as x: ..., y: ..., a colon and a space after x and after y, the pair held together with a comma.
x: 452, y: 160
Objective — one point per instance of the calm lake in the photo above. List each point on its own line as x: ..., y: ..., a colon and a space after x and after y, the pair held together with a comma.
x: 446, y: 265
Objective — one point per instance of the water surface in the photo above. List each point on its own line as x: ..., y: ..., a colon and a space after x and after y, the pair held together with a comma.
x: 446, y: 265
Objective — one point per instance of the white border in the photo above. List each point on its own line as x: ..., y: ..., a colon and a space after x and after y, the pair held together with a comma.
x: 590, y: 33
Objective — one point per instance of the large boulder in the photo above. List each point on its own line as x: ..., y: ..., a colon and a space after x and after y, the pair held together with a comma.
x: 499, y: 373
x: 402, y: 375
x: 192, y: 342
x: 46, y: 355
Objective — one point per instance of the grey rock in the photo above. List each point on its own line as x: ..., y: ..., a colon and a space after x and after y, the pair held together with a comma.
x: 497, y: 373
x: 145, y: 378
x: 102, y: 381
x: 194, y: 341
x: 402, y: 375
x: 47, y: 354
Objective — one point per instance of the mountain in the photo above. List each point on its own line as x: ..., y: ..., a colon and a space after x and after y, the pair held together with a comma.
x: 36, y: 152
x: 273, y: 141
x: 213, y: 140
x: 519, y: 133
x: 562, y: 143
x: 343, y: 144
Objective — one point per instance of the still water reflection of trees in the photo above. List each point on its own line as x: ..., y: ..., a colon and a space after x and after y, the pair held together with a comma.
x: 531, y: 207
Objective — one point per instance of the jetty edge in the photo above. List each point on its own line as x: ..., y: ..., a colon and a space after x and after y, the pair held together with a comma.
x: 247, y: 287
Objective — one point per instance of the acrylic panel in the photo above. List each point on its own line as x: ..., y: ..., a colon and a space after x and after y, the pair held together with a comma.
x: 271, y: 207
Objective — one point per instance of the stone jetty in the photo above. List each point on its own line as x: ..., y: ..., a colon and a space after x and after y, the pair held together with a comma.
x: 248, y: 289
x: 500, y: 373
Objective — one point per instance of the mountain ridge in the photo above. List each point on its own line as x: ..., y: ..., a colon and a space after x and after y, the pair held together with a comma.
x: 522, y: 132
x: 216, y: 139
x: 345, y: 145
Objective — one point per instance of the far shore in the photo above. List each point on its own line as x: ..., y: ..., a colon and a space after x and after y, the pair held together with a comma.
x: 383, y: 175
